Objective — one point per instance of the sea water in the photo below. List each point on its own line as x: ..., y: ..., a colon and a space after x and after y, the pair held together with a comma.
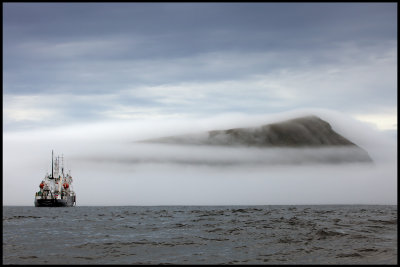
x: 314, y: 234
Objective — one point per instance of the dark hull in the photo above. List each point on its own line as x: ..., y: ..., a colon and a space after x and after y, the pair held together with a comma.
x: 68, y: 202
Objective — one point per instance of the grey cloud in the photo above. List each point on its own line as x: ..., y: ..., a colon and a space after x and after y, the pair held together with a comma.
x: 82, y: 75
x: 178, y: 30
x: 111, y: 48
x: 86, y: 18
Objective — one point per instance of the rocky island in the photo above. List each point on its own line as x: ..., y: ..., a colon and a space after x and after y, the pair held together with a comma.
x: 307, y: 133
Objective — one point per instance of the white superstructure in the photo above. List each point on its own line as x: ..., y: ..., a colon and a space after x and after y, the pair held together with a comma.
x: 56, y: 187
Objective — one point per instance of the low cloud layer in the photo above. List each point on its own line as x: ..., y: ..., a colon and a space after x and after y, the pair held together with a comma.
x: 110, y: 168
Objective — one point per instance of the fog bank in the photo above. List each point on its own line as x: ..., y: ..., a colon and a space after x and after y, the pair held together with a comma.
x: 110, y: 168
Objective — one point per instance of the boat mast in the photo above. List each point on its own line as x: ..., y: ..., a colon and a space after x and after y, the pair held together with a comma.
x: 52, y: 164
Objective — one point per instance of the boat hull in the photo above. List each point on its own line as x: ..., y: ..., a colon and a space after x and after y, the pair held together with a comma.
x: 67, y: 202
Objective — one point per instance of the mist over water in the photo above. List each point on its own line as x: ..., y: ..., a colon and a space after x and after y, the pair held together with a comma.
x: 110, y: 166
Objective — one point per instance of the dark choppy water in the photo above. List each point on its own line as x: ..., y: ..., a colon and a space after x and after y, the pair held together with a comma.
x: 200, y: 235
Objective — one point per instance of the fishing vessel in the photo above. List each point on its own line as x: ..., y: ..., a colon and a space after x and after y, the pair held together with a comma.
x: 55, y: 190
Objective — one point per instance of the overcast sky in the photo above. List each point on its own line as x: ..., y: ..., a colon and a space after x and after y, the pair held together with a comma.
x: 88, y: 79
x: 69, y: 63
